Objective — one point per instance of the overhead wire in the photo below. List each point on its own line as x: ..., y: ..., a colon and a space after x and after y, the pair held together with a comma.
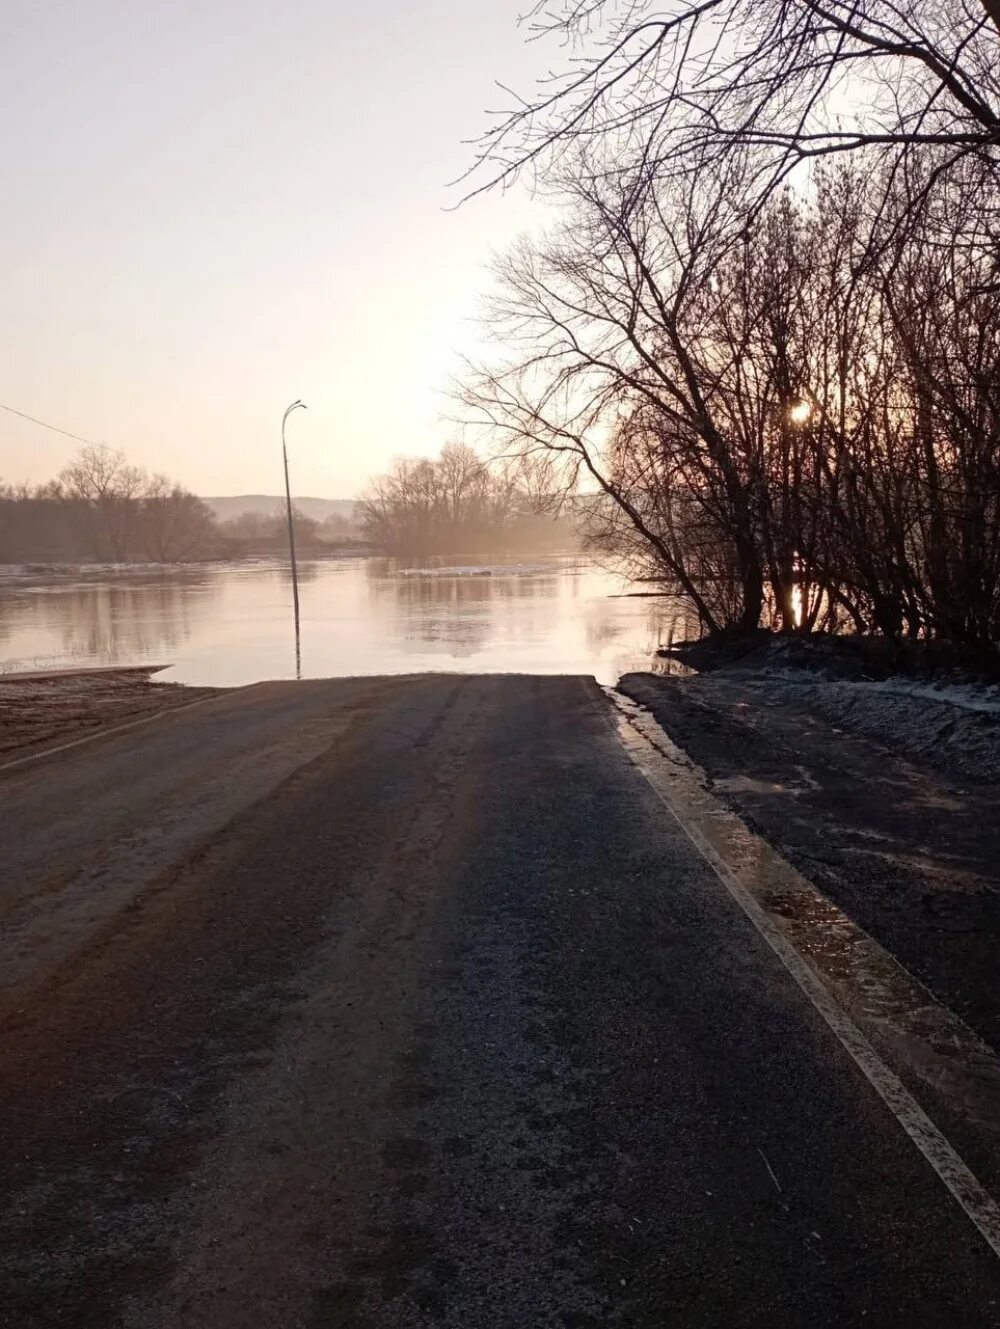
x: 79, y: 438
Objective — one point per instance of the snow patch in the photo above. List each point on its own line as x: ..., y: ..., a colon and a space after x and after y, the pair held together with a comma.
x: 479, y: 570
x: 956, y: 725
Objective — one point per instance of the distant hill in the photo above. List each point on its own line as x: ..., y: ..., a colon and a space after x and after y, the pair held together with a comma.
x: 233, y: 505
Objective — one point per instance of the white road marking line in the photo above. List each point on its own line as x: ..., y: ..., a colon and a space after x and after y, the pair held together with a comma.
x: 976, y: 1202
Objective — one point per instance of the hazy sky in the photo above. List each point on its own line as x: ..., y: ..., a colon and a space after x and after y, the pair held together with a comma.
x: 212, y: 208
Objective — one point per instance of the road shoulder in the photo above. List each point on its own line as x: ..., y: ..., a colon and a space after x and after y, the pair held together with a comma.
x: 905, y: 845
x: 42, y: 711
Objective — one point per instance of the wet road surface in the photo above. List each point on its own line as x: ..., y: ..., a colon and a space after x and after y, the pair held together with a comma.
x: 403, y: 1003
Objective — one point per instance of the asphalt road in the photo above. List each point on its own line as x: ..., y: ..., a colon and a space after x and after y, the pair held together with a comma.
x: 403, y: 1003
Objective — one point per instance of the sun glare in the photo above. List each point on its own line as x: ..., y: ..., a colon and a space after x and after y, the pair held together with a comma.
x: 800, y: 411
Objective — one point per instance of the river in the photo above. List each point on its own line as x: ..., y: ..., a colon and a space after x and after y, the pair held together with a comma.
x: 226, y: 624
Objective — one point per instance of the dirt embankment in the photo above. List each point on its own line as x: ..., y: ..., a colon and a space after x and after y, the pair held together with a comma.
x: 40, y: 711
x: 841, y: 656
x: 885, y: 793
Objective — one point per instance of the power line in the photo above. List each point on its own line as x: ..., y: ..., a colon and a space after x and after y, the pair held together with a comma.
x: 55, y: 428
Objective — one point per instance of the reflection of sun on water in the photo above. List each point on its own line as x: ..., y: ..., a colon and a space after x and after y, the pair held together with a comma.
x: 797, y: 606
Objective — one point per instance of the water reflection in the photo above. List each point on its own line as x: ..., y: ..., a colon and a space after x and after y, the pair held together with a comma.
x: 232, y: 623
x: 101, y: 621
x: 465, y: 610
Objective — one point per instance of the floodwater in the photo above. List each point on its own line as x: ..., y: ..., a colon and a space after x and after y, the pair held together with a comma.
x: 232, y: 623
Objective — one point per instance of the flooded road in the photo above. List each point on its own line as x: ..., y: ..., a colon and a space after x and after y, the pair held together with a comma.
x: 226, y: 624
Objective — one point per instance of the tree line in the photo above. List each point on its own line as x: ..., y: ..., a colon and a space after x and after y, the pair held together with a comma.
x: 765, y: 339
x: 456, y: 503
x: 104, y: 509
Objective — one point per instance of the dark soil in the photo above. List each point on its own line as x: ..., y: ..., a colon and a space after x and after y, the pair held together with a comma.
x: 907, y: 843
x: 844, y: 657
x: 39, y: 711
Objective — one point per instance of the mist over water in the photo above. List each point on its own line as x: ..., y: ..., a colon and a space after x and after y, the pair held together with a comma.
x: 230, y: 624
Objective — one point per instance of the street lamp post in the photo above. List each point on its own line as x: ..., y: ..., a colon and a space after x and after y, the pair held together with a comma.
x: 296, y: 405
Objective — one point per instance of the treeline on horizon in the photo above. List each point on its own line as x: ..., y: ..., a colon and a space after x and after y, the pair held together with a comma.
x: 766, y: 328
x: 456, y: 503
x: 101, y: 508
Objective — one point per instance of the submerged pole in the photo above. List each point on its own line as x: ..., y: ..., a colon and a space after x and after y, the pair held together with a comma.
x: 296, y: 405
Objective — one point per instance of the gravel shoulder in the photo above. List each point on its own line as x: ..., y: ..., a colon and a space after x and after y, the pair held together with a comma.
x: 42, y: 710
x: 884, y: 794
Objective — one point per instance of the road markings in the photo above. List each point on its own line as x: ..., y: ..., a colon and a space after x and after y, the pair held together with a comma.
x: 654, y: 756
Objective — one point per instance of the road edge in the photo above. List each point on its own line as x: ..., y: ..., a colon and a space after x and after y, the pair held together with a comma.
x: 674, y: 779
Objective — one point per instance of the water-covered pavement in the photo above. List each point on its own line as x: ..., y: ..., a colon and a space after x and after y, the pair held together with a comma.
x: 227, y: 624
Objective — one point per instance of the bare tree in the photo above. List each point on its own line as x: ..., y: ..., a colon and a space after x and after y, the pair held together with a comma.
x: 174, y: 523
x: 784, y: 404
x: 945, y: 314
x: 785, y: 80
x: 799, y: 429
x: 609, y: 326
x: 452, y: 504
x: 102, y: 507
x: 107, y: 490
